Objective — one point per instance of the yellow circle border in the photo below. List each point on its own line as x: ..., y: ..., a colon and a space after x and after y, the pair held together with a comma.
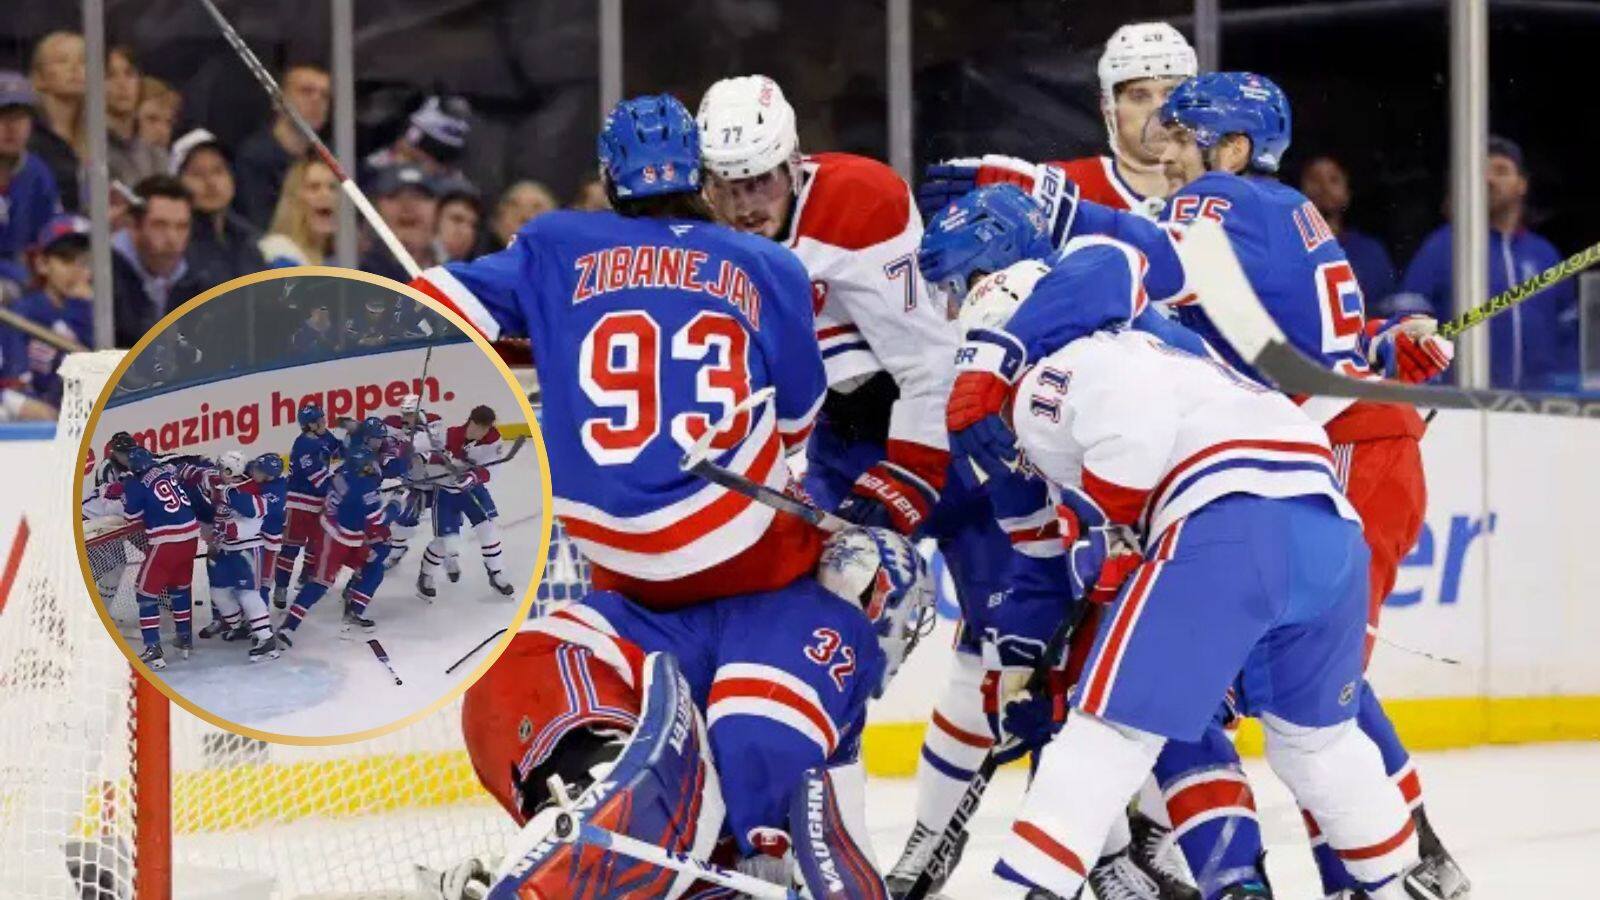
x: 545, y: 497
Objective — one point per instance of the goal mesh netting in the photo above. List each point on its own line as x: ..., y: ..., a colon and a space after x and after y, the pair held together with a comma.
x: 101, y: 783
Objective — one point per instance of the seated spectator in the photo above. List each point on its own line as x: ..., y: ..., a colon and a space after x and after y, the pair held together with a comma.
x: 28, y: 196
x: 1326, y: 183
x: 222, y: 243
x: 315, y: 337
x: 150, y: 275
x: 63, y: 301
x: 591, y: 196
x: 378, y: 326
x: 130, y: 159
x: 434, y: 140
x: 265, y: 157
x: 1533, y: 344
x: 409, y: 204
x: 518, y: 206
x: 306, y: 217
x: 159, y: 106
x: 59, y: 78
x: 459, y: 229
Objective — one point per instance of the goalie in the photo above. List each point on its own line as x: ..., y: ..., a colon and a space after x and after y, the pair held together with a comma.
x: 764, y: 699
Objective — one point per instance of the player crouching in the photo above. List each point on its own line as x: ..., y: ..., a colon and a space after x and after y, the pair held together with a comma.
x: 241, y: 502
x: 466, y: 448
x: 737, y: 720
x: 352, y: 519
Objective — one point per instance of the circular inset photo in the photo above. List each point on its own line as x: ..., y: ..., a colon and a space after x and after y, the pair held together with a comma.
x: 313, y: 505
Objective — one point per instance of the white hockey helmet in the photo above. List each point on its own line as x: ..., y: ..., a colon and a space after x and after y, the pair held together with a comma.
x: 746, y: 128
x: 1144, y: 50
x: 992, y: 301
x: 881, y: 571
x: 411, y: 404
x: 232, y: 464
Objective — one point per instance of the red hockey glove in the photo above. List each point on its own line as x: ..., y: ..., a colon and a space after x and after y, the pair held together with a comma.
x: 1408, y: 348
x: 889, y: 496
x: 377, y: 534
x: 112, y: 491
x: 988, y: 365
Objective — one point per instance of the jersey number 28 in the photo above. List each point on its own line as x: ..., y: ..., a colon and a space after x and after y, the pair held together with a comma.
x: 619, y: 368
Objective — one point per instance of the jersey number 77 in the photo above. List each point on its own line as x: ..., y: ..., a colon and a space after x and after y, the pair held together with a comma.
x: 619, y: 368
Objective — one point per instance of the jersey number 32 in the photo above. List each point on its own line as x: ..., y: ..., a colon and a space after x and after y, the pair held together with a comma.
x: 619, y: 368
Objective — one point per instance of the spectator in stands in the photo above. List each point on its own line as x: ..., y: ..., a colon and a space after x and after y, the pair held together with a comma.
x: 59, y: 133
x: 408, y: 201
x: 459, y: 230
x: 62, y: 302
x: 305, y: 219
x: 265, y: 157
x: 28, y: 195
x: 1326, y: 183
x: 378, y: 325
x: 130, y: 159
x: 434, y: 140
x: 518, y: 206
x: 159, y: 106
x: 1534, y: 344
x: 222, y: 242
x: 150, y: 275
x: 591, y: 196
x: 315, y: 337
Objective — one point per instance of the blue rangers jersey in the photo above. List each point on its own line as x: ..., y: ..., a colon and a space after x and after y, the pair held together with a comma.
x: 310, y: 468
x: 157, y: 501
x: 353, y: 505
x: 276, y: 494
x: 646, y: 332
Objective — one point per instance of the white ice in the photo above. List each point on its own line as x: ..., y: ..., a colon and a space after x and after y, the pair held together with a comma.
x: 1521, y: 821
x: 327, y: 684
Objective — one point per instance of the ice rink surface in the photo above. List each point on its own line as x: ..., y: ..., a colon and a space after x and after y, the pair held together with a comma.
x: 327, y: 684
x: 1523, y: 822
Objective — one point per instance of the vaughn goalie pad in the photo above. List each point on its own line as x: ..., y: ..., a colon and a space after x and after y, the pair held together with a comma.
x: 662, y: 790
x: 1233, y: 307
x: 832, y: 865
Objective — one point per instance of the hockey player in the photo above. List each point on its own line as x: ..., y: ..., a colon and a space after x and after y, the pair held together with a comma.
x: 1210, y: 130
x: 352, y: 519
x: 267, y: 470
x: 774, y: 680
x: 153, y: 499
x: 466, y: 496
x: 311, y: 460
x: 1201, y: 469
x: 236, y: 562
x: 649, y: 324
x: 363, y: 585
x: 421, y: 433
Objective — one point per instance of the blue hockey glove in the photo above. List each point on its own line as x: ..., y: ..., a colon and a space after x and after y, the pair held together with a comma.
x: 988, y: 366
x: 944, y: 181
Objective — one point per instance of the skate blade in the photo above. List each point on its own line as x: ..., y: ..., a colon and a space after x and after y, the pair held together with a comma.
x: 264, y: 657
x: 453, y: 576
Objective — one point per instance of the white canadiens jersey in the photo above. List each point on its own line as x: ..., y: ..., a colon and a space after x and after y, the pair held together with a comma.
x: 856, y: 230
x: 1153, y: 433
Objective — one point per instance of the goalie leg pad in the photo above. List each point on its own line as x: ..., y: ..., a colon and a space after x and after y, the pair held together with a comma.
x: 833, y: 865
x: 1213, y: 810
x: 662, y: 789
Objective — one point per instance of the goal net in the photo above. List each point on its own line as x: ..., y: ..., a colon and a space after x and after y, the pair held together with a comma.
x: 108, y: 793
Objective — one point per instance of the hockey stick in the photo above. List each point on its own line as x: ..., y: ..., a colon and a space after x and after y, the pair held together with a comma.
x: 698, y: 462
x: 1504, y: 300
x: 1233, y: 307
x: 572, y: 830
x: 516, y: 445
x: 346, y: 183
x: 473, y: 652
x: 942, y: 860
x: 383, y: 657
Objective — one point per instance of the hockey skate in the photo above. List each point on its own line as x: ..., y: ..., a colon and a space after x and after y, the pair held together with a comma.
x: 265, y: 648
x: 395, y: 555
x: 425, y: 588
x: 219, y: 628
x: 918, y: 852
x: 153, y: 657
x: 1437, y: 877
x: 1153, y: 853
x: 185, y: 646
x: 280, y: 596
x: 352, y: 622
x: 1252, y: 891
x: 452, y: 569
x: 1119, y: 877
x: 498, y: 582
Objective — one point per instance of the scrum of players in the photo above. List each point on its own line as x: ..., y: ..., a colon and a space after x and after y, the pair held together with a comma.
x: 1148, y: 542
x: 347, y: 501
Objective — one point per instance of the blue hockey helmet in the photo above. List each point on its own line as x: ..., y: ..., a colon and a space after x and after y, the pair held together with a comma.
x: 650, y: 145
x: 373, y: 429
x: 140, y: 460
x: 311, y: 413
x: 1218, y: 104
x: 361, y: 461
x: 269, y: 464
x: 982, y: 231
